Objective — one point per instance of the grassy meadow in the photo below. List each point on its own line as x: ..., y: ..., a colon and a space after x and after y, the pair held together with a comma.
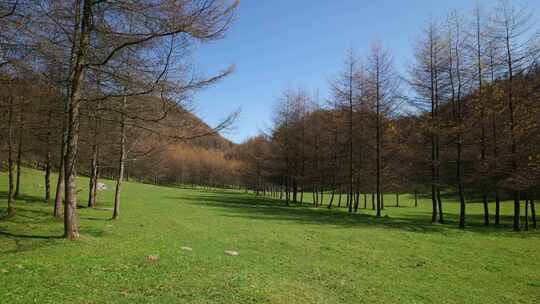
x: 286, y: 255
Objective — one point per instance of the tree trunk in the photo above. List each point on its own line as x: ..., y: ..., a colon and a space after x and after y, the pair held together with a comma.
x: 356, y: 201
x: 322, y: 196
x: 533, y: 214
x: 121, y: 166
x: 365, y: 200
x: 486, y: 210
x: 517, y: 210
x: 526, y: 214
x: 378, y: 146
x: 19, y: 156
x: 60, y: 182
x: 71, y: 221
x: 439, y: 203
x: 497, y: 207
x: 48, y: 159
x: 48, y: 177
x: 332, y: 198
x: 415, y: 199
x: 10, y: 209
x: 93, y: 177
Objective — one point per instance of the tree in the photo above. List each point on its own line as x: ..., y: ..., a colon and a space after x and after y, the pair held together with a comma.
x: 510, y: 28
x: 425, y: 74
x: 383, y: 88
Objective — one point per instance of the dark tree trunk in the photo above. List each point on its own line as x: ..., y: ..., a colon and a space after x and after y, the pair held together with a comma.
x: 434, y: 213
x: 365, y: 201
x: 322, y: 196
x: 19, y: 156
x: 486, y: 210
x: 356, y: 201
x: 48, y: 159
x: 497, y: 207
x: 10, y: 208
x: 526, y: 214
x: 415, y: 199
x: 516, y: 211
x: 48, y: 178
x: 533, y: 214
x: 332, y: 197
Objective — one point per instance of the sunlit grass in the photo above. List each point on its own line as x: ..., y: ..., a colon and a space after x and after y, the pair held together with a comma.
x: 286, y: 255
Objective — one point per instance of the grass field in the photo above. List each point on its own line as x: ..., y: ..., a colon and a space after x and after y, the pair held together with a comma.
x: 286, y: 255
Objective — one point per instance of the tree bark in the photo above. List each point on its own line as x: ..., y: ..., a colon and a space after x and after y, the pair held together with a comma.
x: 71, y: 221
x: 122, y: 159
x: 10, y: 208
x: 365, y: 200
x: 378, y: 143
x: 93, y: 177
x: 19, y: 153
x: 497, y: 207
x: 533, y: 214
x: 60, y: 182
x: 48, y: 159
x: 48, y: 178
x: 526, y: 214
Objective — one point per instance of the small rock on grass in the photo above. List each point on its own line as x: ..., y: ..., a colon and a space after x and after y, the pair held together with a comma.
x: 152, y: 258
x: 231, y: 252
x: 185, y: 248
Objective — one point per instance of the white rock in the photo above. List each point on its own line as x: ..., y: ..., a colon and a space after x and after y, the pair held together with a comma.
x: 185, y: 248
x: 231, y: 252
x: 101, y: 186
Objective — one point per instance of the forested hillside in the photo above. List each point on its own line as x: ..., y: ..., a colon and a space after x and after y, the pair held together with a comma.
x: 98, y: 87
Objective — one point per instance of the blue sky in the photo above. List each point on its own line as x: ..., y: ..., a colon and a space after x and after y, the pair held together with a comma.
x: 280, y: 44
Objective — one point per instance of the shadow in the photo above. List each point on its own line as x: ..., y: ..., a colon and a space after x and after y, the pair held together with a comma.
x: 252, y: 207
x: 22, y: 236
x: 33, y: 227
x: 23, y: 198
x: 236, y: 204
x: 89, y: 218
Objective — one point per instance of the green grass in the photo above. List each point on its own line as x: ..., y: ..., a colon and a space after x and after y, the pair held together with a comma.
x: 287, y: 255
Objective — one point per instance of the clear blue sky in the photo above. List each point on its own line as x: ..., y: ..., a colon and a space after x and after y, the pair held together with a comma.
x: 280, y: 44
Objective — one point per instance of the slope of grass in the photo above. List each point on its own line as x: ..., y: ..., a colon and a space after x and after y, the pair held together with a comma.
x: 286, y: 255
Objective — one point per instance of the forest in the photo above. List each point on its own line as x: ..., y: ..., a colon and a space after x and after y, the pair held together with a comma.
x: 463, y: 120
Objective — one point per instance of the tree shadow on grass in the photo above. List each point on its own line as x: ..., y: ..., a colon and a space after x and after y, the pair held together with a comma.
x: 33, y: 227
x: 249, y: 206
x: 23, y: 198
x: 26, y: 236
